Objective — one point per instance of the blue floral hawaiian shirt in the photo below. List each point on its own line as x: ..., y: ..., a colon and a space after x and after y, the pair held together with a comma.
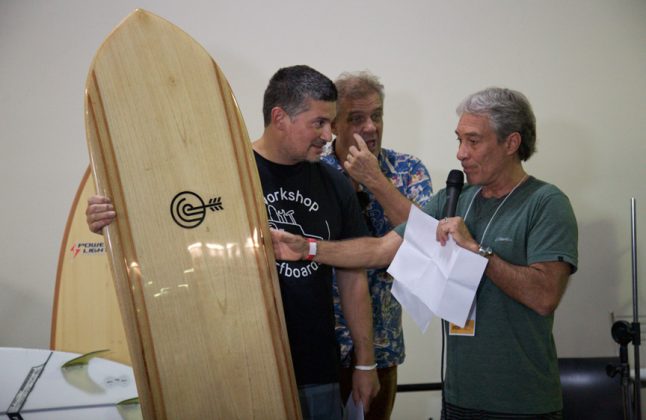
x: 412, y: 179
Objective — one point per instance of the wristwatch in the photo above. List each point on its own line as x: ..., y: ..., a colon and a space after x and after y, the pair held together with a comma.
x: 486, y: 252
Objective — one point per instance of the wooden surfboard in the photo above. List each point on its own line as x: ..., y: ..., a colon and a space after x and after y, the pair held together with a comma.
x: 86, y: 315
x: 190, y: 250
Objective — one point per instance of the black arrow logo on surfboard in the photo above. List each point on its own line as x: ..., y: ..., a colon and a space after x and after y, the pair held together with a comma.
x: 188, y: 209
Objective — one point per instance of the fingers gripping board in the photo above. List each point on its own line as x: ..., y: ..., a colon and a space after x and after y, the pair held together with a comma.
x: 85, y: 314
x: 190, y: 252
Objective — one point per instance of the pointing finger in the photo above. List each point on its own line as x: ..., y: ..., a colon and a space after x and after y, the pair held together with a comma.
x: 361, y: 144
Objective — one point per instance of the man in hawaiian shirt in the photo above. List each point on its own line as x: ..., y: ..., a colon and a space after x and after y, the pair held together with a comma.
x: 387, y: 184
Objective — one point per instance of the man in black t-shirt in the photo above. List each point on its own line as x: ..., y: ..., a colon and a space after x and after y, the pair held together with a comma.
x: 312, y: 199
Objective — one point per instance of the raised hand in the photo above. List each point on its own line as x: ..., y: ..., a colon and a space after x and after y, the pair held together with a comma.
x: 361, y: 164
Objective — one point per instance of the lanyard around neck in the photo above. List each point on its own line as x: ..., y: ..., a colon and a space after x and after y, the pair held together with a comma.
x: 497, y: 208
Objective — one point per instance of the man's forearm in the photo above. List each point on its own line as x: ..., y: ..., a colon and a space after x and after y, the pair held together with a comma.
x: 539, y: 286
x: 395, y: 205
x: 357, y: 311
x: 352, y: 253
x: 366, y: 252
x: 355, y: 301
x: 363, y: 252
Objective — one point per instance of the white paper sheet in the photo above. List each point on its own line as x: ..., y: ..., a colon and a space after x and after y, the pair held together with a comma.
x: 431, y: 279
x: 353, y: 411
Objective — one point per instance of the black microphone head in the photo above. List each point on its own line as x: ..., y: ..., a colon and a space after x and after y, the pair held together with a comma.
x: 455, y: 179
x: 454, y: 184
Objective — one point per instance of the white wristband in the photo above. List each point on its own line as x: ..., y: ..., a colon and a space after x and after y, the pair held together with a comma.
x: 366, y: 367
x: 312, y: 249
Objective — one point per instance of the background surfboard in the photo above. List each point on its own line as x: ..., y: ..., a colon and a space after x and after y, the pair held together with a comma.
x: 86, y: 313
x: 190, y: 252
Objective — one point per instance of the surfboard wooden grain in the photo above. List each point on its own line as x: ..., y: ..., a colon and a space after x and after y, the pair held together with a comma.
x: 190, y: 250
x: 85, y: 314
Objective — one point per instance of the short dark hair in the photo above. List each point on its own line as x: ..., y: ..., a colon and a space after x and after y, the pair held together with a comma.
x: 291, y: 87
x: 509, y: 111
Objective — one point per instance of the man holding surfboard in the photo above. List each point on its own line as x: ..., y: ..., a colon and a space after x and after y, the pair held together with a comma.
x: 312, y: 199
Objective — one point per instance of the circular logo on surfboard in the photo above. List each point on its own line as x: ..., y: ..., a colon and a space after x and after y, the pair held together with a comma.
x: 188, y: 209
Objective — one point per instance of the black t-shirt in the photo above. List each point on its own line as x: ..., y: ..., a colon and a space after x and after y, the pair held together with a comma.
x: 313, y: 200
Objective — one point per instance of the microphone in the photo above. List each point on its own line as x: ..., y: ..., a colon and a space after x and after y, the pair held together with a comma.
x: 454, y: 184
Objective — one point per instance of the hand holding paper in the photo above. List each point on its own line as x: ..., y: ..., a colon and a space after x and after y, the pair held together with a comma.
x: 431, y: 279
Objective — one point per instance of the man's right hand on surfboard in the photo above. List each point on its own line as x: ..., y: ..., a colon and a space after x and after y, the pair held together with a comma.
x: 99, y: 213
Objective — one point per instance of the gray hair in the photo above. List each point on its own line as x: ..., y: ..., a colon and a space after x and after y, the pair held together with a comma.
x: 358, y: 85
x: 509, y: 111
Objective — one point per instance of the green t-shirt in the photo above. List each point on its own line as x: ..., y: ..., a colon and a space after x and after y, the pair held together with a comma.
x: 510, y: 365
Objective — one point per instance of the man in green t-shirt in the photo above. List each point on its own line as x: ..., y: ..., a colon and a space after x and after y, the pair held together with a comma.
x: 504, y: 364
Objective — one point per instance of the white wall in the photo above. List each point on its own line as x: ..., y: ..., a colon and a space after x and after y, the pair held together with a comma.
x: 582, y: 63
